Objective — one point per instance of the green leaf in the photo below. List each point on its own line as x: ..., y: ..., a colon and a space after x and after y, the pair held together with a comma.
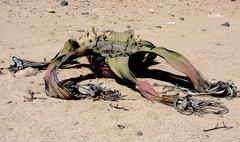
x: 126, y: 36
x: 119, y: 65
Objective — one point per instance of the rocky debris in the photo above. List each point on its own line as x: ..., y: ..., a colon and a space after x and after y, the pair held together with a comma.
x: 226, y: 24
x: 64, y: 3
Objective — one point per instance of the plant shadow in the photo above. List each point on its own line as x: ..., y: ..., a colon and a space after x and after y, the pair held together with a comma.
x: 143, y: 72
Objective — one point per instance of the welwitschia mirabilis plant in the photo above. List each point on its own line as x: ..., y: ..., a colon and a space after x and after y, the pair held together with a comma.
x: 109, y: 55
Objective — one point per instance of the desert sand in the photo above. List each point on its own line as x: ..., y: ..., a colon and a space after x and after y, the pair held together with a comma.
x: 37, y: 30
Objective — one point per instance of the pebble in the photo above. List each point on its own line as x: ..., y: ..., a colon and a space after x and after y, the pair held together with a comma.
x: 171, y: 23
x: 10, y: 129
x: 151, y: 11
x: 172, y: 15
x: 215, y: 15
x: 9, y: 102
x: 26, y: 72
x: 128, y: 26
x: 131, y: 20
x: 51, y: 11
x: 85, y: 13
x: 139, y: 133
x: 81, y: 31
x: 158, y: 27
x: 226, y: 24
x: 105, y: 31
x: 64, y: 3
x: 181, y: 18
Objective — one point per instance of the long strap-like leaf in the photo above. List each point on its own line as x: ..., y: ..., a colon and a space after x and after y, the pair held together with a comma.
x: 182, y: 64
x: 119, y: 65
x: 52, y: 85
x: 19, y: 64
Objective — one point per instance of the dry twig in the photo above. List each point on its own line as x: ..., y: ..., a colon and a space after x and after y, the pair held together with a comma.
x: 117, y: 107
x: 218, y: 127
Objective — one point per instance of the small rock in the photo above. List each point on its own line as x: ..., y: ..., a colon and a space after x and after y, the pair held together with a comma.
x: 105, y: 31
x: 158, y: 27
x: 131, y: 20
x: 9, y: 102
x: 151, y: 11
x: 10, y: 129
x: 172, y: 15
x: 51, y: 11
x: 76, y: 123
x: 181, y: 18
x: 204, y: 30
x: 81, y: 31
x: 217, y: 44
x: 139, y: 133
x: 64, y: 3
x: 26, y: 72
x: 85, y: 13
x: 171, y: 23
x: 67, y: 25
x: 128, y: 26
x: 215, y: 15
x: 226, y: 24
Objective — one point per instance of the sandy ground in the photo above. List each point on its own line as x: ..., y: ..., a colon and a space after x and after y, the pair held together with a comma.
x: 29, y: 31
